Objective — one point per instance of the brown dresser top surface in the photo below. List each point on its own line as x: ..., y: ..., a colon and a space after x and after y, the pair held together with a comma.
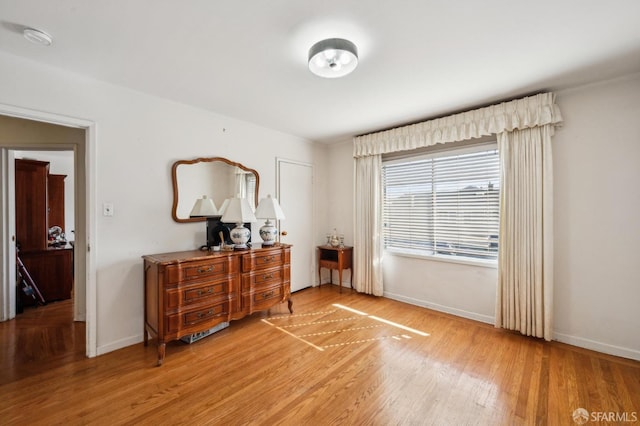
x: 195, y: 255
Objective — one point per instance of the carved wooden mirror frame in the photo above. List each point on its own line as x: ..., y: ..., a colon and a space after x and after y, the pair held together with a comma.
x: 176, y: 195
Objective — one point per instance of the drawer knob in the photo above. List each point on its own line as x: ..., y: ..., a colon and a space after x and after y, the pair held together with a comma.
x: 204, y: 271
x: 268, y: 294
x: 203, y: 314
x: 267, y: 276
x: 209, y: 291
x: 268, y: 259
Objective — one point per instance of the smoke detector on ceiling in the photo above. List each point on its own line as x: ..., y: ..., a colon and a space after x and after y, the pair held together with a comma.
x: 37, y: 36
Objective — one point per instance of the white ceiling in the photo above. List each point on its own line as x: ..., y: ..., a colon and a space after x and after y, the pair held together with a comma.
x: 247, y: 59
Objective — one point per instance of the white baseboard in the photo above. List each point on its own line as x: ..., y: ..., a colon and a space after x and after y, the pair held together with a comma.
x: 119, y: 344
x: 560, y: 337
x: 441, y: 308
x: 597, y: 346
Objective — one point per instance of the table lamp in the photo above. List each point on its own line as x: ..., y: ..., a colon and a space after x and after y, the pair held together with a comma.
x: 268, y: 208
x: 239, y: 211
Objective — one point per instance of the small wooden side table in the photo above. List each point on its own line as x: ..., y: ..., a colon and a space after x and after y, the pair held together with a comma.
x: 339, y: 258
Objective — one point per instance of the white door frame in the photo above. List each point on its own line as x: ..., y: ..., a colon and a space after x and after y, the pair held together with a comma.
x: 85, y: 300
x: 7, y: 236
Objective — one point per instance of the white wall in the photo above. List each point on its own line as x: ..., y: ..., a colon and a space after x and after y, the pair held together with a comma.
x: 339, y: 201
x: 597, y: 238
x: 138, y: 139
x: 597, y: 226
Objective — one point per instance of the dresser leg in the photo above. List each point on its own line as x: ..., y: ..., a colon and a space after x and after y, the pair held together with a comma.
x: 161, y: 350
x: 290, y: 305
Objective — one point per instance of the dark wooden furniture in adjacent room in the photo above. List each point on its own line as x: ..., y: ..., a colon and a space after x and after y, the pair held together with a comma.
x: 339, y: 258
x: 193, y: 291
x: 52, y: 271
x: 40, y: 205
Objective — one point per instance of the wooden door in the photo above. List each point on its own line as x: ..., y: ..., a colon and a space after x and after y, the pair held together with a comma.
x: 31, y: 204
x: 295, y: 194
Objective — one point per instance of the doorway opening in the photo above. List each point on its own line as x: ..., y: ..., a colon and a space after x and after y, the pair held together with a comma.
x: 25, y: 132
x: 45, y: 226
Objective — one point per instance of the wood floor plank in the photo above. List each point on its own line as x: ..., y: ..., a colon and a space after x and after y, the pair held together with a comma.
x: 340, y: 359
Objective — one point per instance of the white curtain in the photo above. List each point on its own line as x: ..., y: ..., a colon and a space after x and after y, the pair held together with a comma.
x: 532, y: 245
x: 524, y: 298
x: 368, y: 226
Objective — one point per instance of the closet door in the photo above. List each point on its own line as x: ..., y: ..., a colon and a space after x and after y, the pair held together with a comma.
x: 32, y: 229
x: 295, y: 194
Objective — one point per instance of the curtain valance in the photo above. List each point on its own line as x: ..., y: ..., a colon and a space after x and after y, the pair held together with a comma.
x: 518, y: 114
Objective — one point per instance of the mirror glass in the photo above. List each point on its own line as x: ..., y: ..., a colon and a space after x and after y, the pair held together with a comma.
x: 215, y: 177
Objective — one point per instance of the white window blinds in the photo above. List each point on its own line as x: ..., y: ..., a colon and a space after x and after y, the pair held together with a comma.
x: 443, y: 204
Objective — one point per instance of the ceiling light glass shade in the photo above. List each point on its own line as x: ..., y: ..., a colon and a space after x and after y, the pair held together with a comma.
x: 204, y: 207
x: 37, y: 36
x: 239, y: 211
x: 268, y: 208
x: 332, y: 58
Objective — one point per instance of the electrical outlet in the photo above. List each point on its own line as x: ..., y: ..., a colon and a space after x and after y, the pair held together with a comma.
x: 107, y: 209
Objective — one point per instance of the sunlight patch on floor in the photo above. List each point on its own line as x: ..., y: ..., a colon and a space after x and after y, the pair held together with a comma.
x: 338, y: 327
x: 373, y: 317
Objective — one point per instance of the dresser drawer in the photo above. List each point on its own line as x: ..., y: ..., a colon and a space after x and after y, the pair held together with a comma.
x: 328, y: 264
x: 264, y: 298
x: 204, y: 269
x: 178, y: 297
x: 255, y: 262
x: 261, y: 279
x: 198, y: 318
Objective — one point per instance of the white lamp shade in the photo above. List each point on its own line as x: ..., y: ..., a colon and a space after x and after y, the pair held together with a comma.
x: 204, y: 207
x: 238, y: 210
x: 223, y: 207
x: 268, y: 208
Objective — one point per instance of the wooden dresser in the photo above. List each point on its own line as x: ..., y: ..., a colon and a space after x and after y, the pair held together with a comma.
x: 192, y: 291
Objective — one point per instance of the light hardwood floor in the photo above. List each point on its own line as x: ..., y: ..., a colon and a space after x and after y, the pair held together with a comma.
x: 339, y: 359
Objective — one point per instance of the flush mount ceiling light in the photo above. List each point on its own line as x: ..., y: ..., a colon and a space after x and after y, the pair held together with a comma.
x: 37, y: 36
x: 333, y: 57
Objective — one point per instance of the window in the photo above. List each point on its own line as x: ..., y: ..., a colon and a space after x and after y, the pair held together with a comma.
x: 443, y: 204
